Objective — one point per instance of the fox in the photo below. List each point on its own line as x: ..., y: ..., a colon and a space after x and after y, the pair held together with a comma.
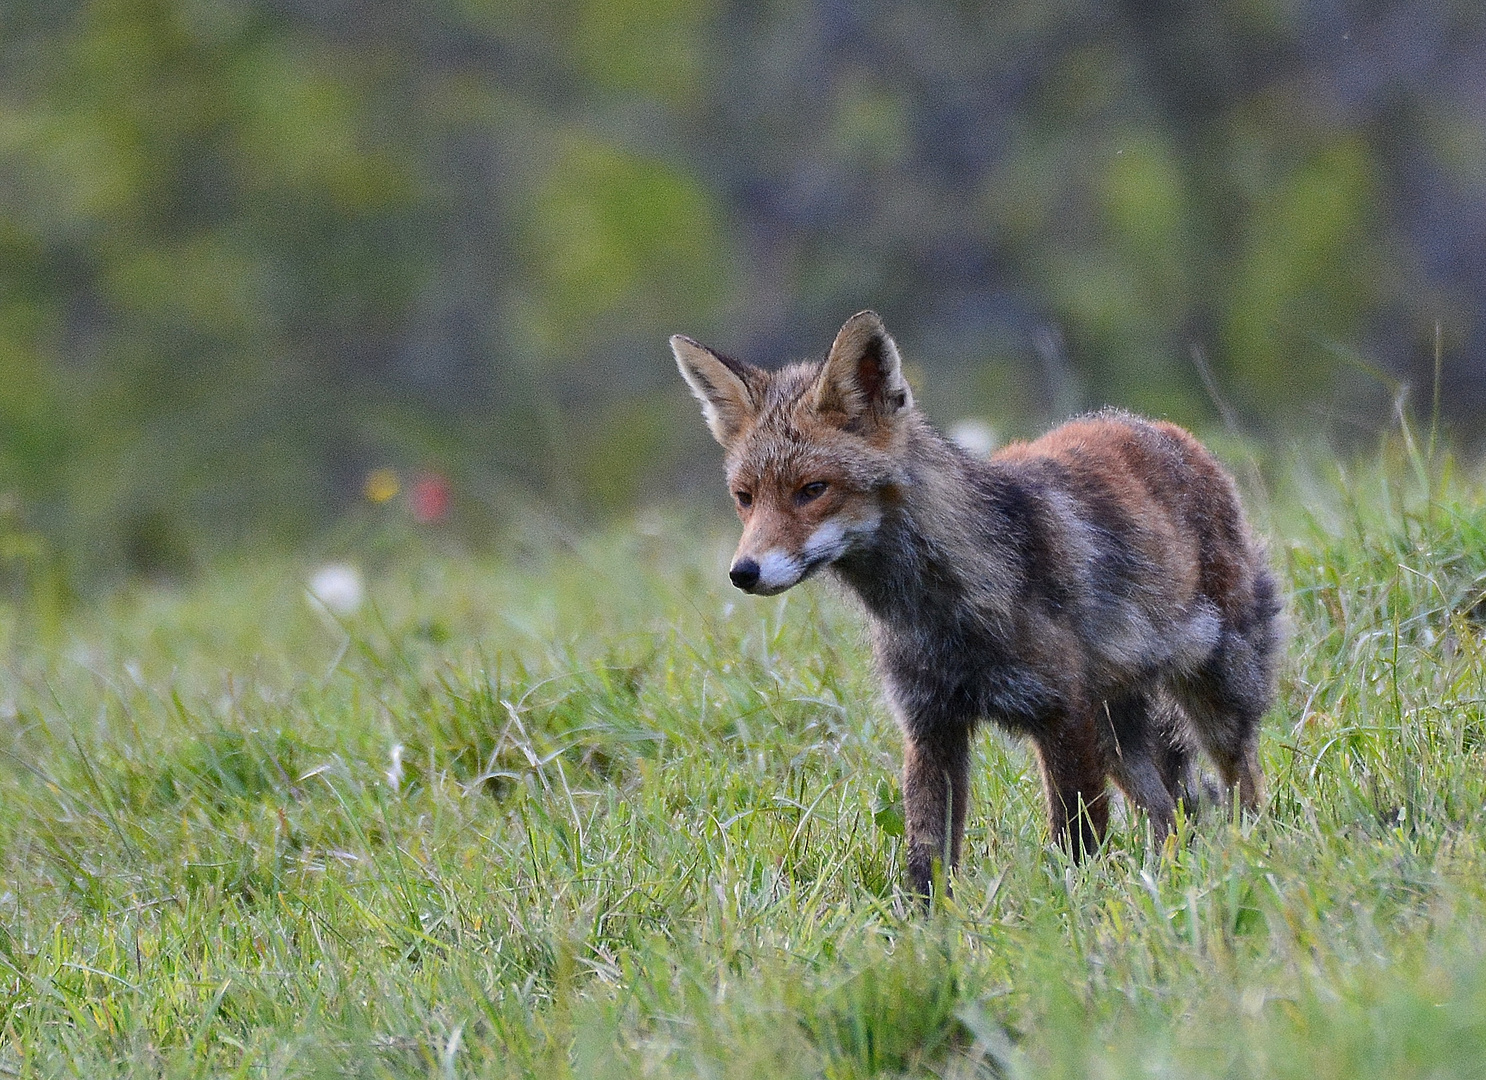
x: 1097, y: 591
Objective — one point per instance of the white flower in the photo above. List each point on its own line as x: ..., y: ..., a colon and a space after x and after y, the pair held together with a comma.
x: 394, y: 771
x: 338, y: 589
x: 975, y: 436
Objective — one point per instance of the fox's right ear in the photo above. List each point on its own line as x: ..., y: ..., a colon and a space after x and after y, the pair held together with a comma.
x: 728, y: 389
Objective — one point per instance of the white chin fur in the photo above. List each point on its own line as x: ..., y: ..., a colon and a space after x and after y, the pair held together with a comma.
x: 777, y: 572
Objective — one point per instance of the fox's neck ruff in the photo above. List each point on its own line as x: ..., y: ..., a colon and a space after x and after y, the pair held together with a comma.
x: 937, y: 546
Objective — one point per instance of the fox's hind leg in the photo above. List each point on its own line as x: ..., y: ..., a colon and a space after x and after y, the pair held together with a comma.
x: 1226, y: 698
x: 1132, y: 744
x: 1175, y: 751
x: 1230, y: 735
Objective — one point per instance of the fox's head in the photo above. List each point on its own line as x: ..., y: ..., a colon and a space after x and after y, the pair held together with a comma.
x: 814, y: 451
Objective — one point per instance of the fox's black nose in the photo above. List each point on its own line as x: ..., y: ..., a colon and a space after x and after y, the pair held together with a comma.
x: 744, y: 574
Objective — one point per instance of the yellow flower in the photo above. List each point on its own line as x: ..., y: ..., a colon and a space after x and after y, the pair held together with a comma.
x: 381, y: 485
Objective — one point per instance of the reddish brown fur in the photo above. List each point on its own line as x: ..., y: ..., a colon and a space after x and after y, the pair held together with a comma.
x: 1096, y: 590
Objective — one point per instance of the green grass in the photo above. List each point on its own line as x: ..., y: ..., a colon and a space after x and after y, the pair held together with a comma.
x: 645, y: 826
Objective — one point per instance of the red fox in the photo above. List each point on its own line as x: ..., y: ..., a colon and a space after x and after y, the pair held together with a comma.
x: 1096, y: 590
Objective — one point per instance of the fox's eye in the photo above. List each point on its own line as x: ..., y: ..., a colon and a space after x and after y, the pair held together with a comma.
x: 812, y: 491
x: 745, y: 498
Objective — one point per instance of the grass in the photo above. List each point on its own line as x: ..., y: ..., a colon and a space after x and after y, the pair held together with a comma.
x: 584, y: 811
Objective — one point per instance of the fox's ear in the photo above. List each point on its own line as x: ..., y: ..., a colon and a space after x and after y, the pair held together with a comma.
x: 863, y: 376
x: 728, y: 389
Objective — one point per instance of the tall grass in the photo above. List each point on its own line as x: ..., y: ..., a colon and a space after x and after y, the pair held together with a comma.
x: 588, y: 812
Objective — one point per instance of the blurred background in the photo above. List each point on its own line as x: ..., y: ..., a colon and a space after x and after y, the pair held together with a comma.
x: 267, y: 265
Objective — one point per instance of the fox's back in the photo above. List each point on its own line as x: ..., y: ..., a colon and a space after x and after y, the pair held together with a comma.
x: 1151, y: 484
x: 1151, y: 546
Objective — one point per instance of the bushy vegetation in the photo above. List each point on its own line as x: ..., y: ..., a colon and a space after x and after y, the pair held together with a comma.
x: 584, y: 811
x: 251, y: 250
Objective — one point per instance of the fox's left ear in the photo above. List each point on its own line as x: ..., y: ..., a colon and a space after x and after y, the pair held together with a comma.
x: 863, y: 376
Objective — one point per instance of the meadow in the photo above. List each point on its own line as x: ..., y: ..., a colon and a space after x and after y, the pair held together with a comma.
x: 582, y: 809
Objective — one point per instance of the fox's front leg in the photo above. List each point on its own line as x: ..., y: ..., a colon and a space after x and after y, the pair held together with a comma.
x: 936, y: 791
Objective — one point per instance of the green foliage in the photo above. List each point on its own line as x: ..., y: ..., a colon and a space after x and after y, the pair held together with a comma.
x: 892, y: 1014
x: 648, y: 46
x: 249, y: 251
x: 1308, y: 270
x: 613, y: 234
x: 584, y: 811
x: 191, y: 196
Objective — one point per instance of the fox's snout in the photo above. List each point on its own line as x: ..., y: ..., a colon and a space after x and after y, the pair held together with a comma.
x: 744, y: 574
x: 770, y: 574
x: 765, y: 566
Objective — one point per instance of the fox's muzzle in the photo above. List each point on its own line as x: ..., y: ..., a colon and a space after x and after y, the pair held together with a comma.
x: 764, y: 566
x: 744, y: 574
x: 768, y: 574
